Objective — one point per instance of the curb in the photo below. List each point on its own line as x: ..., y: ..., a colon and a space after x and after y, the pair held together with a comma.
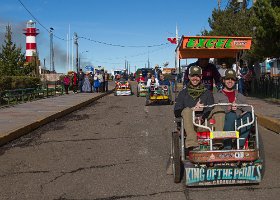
x: 269, y: 123
x: 12, y: 135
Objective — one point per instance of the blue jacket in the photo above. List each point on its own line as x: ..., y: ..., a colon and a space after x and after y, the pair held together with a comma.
x: 164, y: 82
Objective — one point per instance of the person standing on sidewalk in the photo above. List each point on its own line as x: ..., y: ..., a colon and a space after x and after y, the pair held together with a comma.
x: 230, y: 95
x: 81, y: 77
x: 101, y: 80
x: 66, y: 82
x: 90, y: 77
x: 74, y: 82
x: 96, y: 82
x: 106, y: 79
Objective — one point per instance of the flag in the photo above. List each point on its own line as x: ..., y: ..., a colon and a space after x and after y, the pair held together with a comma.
x: 172, y: 40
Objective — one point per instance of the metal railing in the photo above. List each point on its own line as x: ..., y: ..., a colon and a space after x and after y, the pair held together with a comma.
x: 12, y: 97
x: 265, y: 87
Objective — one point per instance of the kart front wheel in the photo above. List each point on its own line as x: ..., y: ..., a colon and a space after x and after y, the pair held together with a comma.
x: 175, y: 157
x: 147, y: 102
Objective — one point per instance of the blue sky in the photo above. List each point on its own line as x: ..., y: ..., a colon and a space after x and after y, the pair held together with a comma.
x: 121, y: 22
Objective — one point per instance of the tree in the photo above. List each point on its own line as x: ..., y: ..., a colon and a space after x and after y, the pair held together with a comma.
x: 234, y: 20
x: 11, y: 58
x: 267, y: 28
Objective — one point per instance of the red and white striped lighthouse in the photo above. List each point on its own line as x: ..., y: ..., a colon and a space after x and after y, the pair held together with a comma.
x: 31, y: 47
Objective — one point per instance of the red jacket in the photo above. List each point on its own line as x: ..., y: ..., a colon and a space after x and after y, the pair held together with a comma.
x: 140, y: 79
x: 66, y: 80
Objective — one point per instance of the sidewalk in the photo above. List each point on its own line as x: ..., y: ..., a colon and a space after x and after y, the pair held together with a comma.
x: 268, y: 113
x: 23, y: 118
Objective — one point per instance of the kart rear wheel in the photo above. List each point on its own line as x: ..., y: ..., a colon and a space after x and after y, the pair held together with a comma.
x: 175, y: 157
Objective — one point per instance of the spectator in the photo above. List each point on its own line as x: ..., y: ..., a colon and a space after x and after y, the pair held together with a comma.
x: 90, y: 77
x: 157, y: 72
x: 96, y: 82
x: 246, y: 76
x: 106, y: 79
x: 210, y: 74
x: 222, y: 69
x: 74, y: 82
x: 101, y: 80
x: 173, y: 79
x: 66, y: 82
x: 81, y: 77
x: 86, y: 86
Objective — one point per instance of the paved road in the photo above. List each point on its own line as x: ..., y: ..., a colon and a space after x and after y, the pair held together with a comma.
x: 115, y: 148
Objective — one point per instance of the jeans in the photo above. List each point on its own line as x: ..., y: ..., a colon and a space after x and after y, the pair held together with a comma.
x: 81, y: 82
x: 241, y: 85
x: 230, y: 126
x: 106, y: 86
x: 173, y: 86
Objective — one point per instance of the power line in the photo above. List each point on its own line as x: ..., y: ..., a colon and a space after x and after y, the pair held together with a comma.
x: 96, y: 41
x: 131, y: 56
x: 119, y: 45
x: 39, y: 21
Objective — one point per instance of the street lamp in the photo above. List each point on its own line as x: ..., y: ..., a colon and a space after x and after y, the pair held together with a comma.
x: 80, y: 58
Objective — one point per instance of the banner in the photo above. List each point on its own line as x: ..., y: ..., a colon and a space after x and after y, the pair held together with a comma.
x: 218, y: 176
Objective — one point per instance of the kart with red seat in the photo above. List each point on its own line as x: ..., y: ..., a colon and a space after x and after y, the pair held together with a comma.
x: 122, y: 88
x: 211, y: 164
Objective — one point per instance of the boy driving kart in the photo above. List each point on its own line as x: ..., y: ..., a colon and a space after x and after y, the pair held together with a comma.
x: 231, y: 113
x: 191, y: 98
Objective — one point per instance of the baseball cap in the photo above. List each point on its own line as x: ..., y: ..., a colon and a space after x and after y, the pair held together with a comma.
x: 230, y: 73
x: 195, y: 70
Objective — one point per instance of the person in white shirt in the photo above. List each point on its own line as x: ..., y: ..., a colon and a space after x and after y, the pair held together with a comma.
x: 152, y: 81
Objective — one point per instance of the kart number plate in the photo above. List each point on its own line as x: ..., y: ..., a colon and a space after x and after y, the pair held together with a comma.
x: 224, y: 134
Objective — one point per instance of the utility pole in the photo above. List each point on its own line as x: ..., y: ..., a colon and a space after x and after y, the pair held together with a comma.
x: 177, y: 60
x: 77, y: 50
x: 219, y: 4
x: 148, y: 59
x: 51, y: 51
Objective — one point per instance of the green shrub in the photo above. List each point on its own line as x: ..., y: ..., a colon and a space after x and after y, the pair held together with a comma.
x: 18, y: 82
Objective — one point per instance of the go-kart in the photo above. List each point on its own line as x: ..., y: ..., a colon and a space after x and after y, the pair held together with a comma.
x: 210, y: 163
x: 161, y: 93
x: 142, y: 89
x: 122, y: 88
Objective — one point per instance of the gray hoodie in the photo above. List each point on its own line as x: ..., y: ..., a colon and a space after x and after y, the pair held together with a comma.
x: 220, y: 97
